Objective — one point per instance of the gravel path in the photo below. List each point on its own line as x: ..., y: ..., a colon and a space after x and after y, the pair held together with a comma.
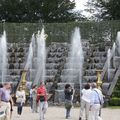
x: 58, y: 113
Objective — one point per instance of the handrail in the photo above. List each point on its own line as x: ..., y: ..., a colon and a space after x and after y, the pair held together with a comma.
x: 105, y: 65
x: 114, y: 81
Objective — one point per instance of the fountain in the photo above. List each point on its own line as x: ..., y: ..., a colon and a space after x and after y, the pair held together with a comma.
x: 77, y: 55
x: 73, y: 70
x: 3, y: 56
x: 113, y: 52
x: 30, y: 56
x: 108, y: 63
x: 41, y: 57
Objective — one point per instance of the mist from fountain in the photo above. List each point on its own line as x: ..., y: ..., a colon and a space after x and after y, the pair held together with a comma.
x: 41, y: 57
x: 108, y: 63
x: 3, y: 57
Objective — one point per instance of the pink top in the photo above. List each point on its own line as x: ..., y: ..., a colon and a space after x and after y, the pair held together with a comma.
x: 41, y: 91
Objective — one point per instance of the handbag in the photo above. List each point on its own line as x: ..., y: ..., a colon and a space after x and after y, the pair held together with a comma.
x: 68, y: 104
x: 19, y: 99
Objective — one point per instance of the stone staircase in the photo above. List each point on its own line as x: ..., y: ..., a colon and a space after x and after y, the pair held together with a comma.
x: 96, y: 58
x: 17, y: 54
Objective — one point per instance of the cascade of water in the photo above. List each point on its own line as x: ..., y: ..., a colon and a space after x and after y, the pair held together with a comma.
x: 41, y: 57
x: 108, y: 63
x: 3, y: 56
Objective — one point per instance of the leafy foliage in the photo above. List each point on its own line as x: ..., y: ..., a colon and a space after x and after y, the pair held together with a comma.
x: 37, y: 10
x: 104, y: 9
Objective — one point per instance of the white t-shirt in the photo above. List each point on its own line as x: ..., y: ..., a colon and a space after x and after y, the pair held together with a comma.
x: 21, y: 95
x: 31, y: 91
x: 86, y: 95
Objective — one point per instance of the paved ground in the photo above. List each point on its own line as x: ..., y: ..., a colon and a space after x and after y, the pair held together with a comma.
x: 58, y: 113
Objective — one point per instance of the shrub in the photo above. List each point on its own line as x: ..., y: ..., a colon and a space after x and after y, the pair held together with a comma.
x: 114, y: 101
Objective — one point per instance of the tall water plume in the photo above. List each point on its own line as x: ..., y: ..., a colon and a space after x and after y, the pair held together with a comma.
x: 108, y: 63
x: 41, y: 57
x: 76, y: 58
x: 3, y: 57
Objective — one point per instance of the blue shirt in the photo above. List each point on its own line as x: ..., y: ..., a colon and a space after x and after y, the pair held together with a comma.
x: 4, y: 95
x: 96, y: 97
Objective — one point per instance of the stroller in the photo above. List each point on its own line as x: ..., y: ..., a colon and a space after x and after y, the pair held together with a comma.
x: 2, y: 114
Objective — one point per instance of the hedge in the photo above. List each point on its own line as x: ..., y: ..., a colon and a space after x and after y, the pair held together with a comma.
x: 114, y: 101
x: 61, y: 32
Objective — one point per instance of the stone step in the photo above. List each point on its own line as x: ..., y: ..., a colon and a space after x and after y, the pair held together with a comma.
x: 90, y: 78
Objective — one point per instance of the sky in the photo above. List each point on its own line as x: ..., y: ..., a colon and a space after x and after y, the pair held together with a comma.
x: 80, y: 4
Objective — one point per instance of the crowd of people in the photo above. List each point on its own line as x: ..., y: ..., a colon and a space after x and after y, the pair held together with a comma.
x: 91, y: 101
x: 38, y: 100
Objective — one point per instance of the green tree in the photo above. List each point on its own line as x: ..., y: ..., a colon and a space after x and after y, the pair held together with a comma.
x: 104, y: 9
x: 37, y: 10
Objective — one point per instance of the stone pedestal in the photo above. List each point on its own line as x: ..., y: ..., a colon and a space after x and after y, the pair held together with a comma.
x: 105, y: 87
x: 59, y: 96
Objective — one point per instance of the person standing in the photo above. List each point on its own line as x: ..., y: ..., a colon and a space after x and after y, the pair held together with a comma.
x: 68, y: 99
x: 34, y: 98
x: 96, y: 100
x: 20, y: 100
x: 5, y: 98
x: 31, y: 99
x: 85, y: 102
x: 42, y: 99
x: 11, y: 106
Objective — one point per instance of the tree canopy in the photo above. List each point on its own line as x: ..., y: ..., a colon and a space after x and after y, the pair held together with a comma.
x: 37, y: 10
x: 104, y: 9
